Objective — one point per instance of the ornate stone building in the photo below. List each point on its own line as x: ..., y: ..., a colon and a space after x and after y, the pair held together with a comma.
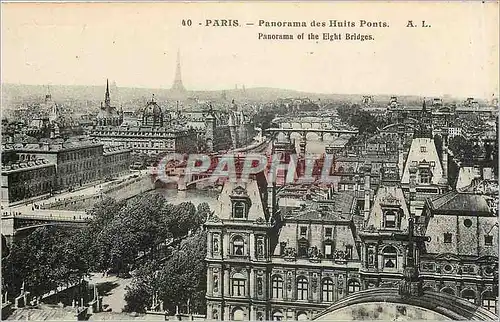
x: 153, y: 136
x: 265, y: 264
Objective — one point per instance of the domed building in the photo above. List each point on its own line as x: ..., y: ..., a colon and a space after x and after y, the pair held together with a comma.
x: 152, y: 133
x: 152, y: 115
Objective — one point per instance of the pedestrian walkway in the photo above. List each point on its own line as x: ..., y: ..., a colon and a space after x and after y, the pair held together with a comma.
x: 114, y: 288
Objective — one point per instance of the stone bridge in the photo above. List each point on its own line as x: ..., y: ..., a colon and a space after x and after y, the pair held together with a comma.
x: 19, y: 224
x: 303, y: 132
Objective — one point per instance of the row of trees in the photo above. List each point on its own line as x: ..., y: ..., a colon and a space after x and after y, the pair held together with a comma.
x: 119, y: 234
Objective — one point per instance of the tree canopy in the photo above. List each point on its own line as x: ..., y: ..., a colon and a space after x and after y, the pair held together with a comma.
x: 179, y: 280
x: 121, y: 236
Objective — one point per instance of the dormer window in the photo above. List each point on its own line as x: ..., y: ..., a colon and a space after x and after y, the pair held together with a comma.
x: 488, y: 240
x: 239, y: 209
x: 423, y: 149
x: 328, y: 233
x: 390, y: 219
x: 240, y: 203
x: 303, y: 231
x: 425, y: 176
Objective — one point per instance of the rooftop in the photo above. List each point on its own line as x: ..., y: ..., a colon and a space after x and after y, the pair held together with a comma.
x: 463, y: 203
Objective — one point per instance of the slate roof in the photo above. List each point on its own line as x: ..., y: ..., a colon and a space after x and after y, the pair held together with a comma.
x: 338, y: 208
x: 456, y: 203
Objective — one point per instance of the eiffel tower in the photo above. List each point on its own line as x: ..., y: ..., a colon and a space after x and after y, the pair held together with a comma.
x: 177, y: 86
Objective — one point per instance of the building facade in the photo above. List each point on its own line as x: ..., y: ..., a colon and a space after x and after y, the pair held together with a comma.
x: 76, y: 163
x: 264, y: 264
x: 27, y: 178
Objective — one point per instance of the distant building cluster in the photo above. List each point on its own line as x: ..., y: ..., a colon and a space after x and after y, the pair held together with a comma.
x: 392, y: 220
x: 33, y: 170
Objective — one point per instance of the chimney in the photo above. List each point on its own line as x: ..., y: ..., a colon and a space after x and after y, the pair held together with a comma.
x: 367, y: 196
x: 445, y: 159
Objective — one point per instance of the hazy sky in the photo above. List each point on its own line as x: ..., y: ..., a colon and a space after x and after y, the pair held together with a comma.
x: 136, y: 45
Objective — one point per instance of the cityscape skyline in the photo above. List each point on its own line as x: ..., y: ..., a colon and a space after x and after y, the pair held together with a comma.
x: 95, y: 44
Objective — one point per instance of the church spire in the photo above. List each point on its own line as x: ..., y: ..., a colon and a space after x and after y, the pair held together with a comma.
x: 177, y: 85
x: 107, y: 100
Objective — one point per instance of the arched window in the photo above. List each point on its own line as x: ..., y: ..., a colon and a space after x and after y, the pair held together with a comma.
x: 489, y: 301
x: 390, y: 257
x: 448, y: 290
x: 302, y: 288
x: 277, y: 286
x: 327, y: 290
x: 277, y: 315
x: 238, y: 314
x: 353, y: 286
x: 238, y: 246
x: 302, y: 316
x: 469, y: 295
x: 238, y: 284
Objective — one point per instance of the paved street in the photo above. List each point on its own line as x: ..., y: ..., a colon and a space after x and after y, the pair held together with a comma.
x: 113, y: 290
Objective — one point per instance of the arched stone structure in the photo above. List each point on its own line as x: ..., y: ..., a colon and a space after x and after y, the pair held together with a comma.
x: 388, y: 304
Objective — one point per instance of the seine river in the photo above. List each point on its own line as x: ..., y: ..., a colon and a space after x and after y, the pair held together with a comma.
x: 210, y: 196
x: 195, y: 196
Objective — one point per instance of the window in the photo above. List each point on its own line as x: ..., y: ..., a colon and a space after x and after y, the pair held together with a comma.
x: 469, y: 295
x: 467, y: 223
x: 448, y: 290
x: 302, y: 285
x: 327, y: 290
x: 277, y: 286
x: 328, y: 249
x: 238, y: 246
x: 282, y: 248
x: 238, y: 284
x: 303, y: 231
x: 302, y: 316
x: 303, y: 247
x: 390, y: 256
x: 348, y: 251
x: 390, y: 218
x: 488, y: 240
x: 447, y: 238
x: 489, y: 302
x: 423, y: 149
x: 238, y: 314
x: 277, y: 316
x: 239, y: 209
x: 328, y: 233
x: 425, y: 176
x: 353, y: 286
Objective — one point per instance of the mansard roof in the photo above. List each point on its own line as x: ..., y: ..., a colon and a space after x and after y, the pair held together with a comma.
x: 423, y: 150
x: 387, y: 196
